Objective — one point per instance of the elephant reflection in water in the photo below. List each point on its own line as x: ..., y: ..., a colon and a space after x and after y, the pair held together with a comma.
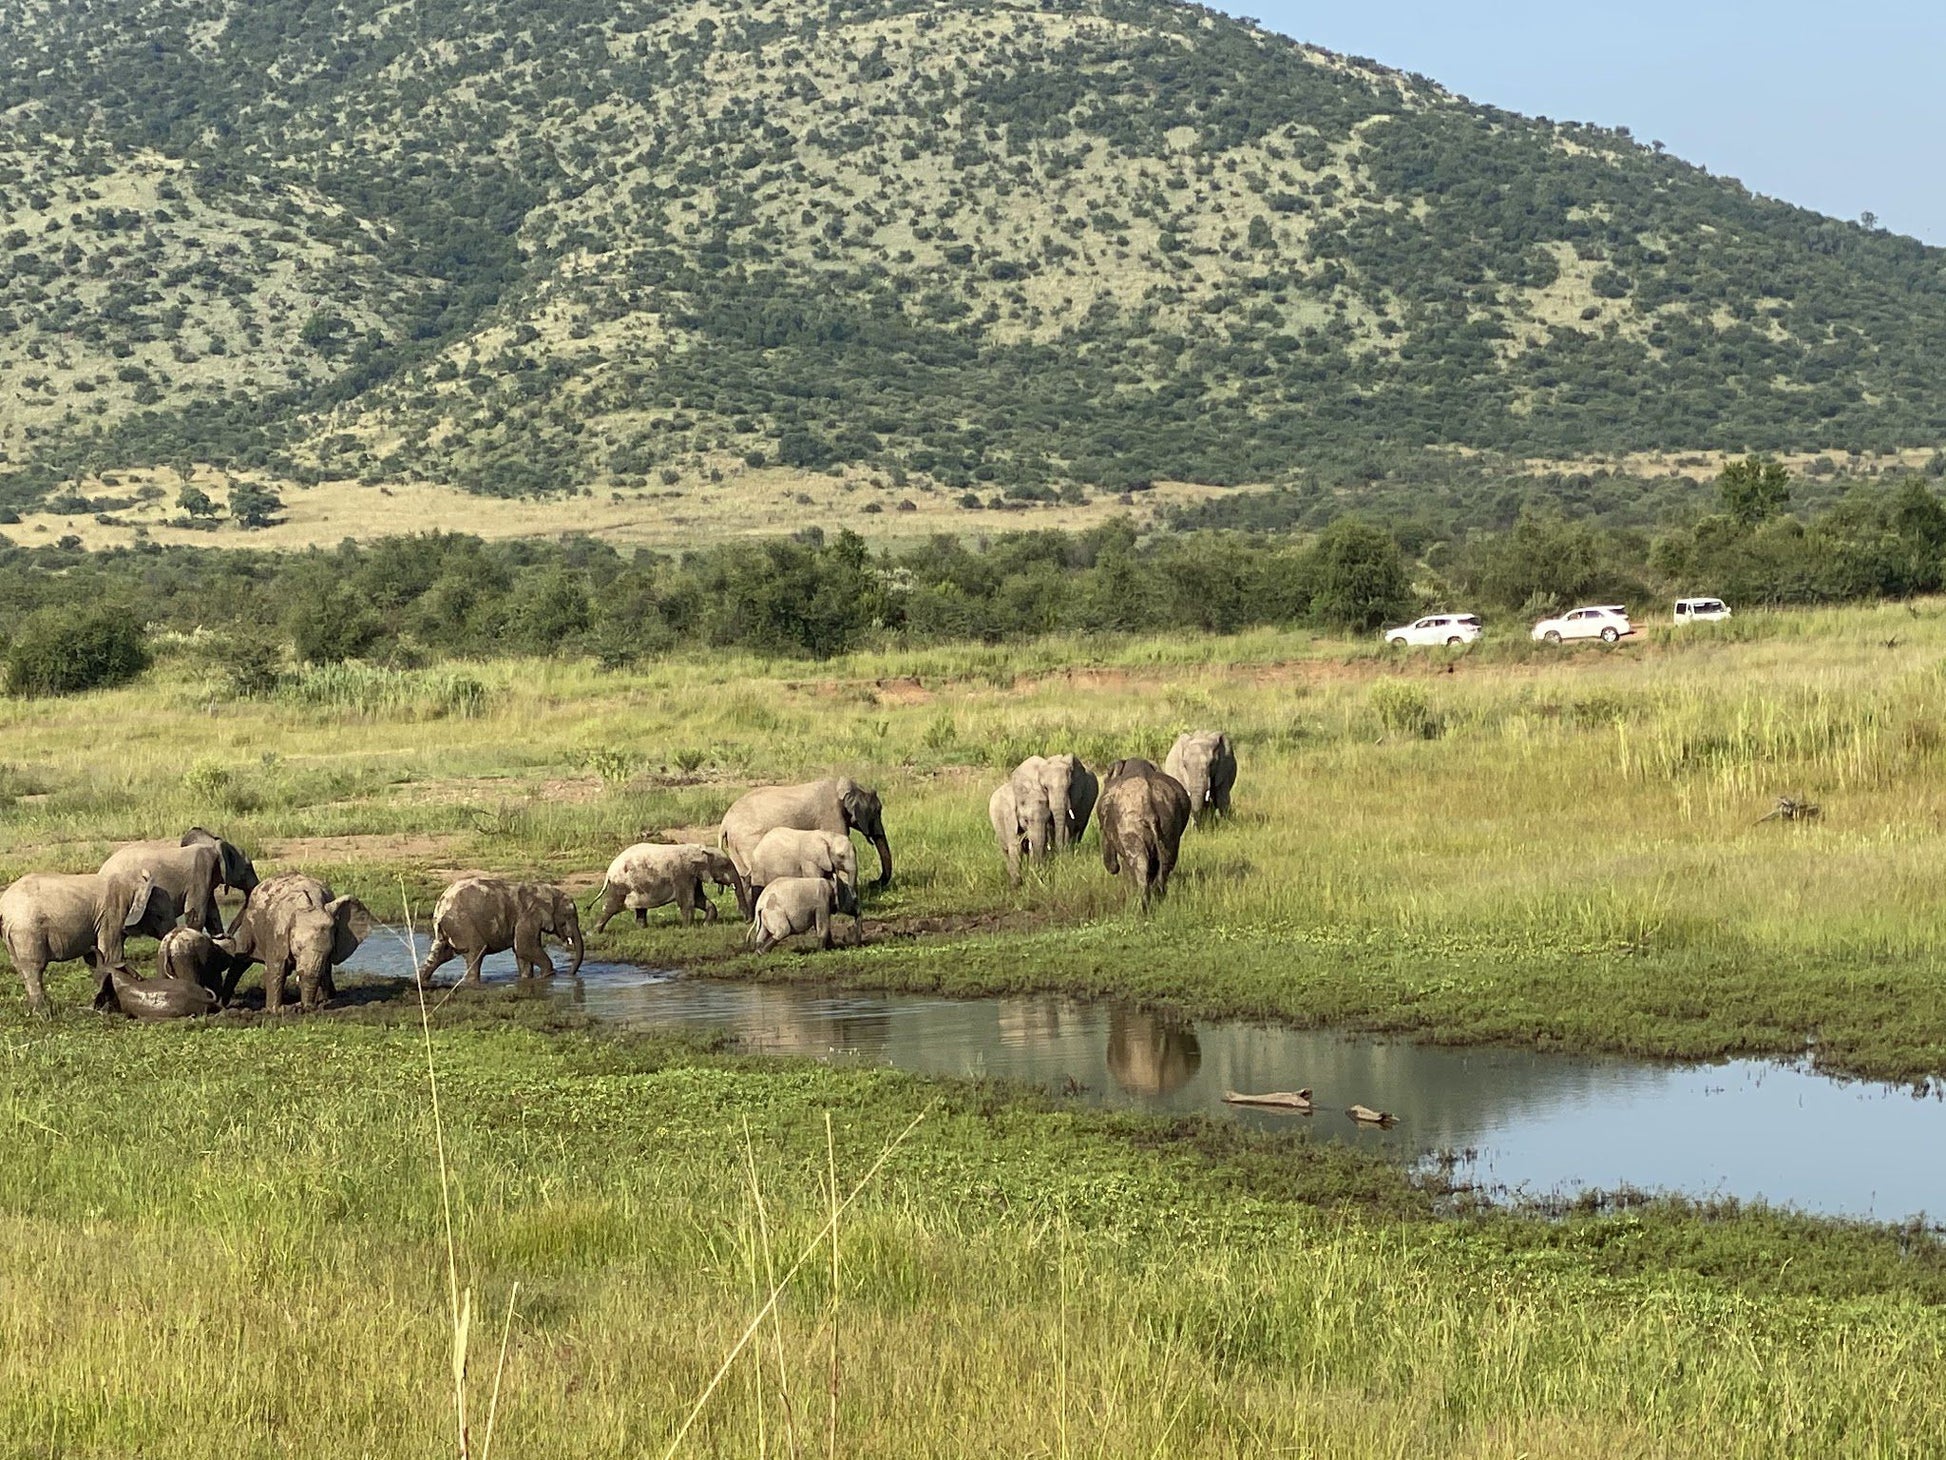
x: 1150, y: 1054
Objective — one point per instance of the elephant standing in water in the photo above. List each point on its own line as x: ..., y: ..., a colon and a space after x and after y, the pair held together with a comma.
x: 1043, y: 807
x: 1143, y: 815
x: 839, y: 806
x: 50, y: 917
x: 654, y: 874
x: 293, y: 923
x: 190, y: 870
x: 1206, y: 765
x: 481, y: 915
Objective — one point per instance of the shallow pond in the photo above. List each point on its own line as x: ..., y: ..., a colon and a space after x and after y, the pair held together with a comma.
x: 1519, y: 1121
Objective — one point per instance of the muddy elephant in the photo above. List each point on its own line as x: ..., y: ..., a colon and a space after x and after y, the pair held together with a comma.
x: 191, y: 870
x: 160, y: 997
x: 192, y: 956
x: 655, y: 874
x: 787, y: 852
x: 293, y: 923
x: 1143, y: 815
x: 50, y: 917
x: 792, y: 905
x: 838, y: 806
x: 481, y: 915
x: 1206, y: 764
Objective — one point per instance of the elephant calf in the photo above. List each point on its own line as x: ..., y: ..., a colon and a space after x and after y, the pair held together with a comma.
x: 793, y: 905
x: 1143, y: 815
x: 293, y: 923
x: 650, y: 874
x: 1206, y: 765
x: 786, y: 852
x: 481, y: 915
x: 50, y: 917
x: 160, y: 998
x: 1043, y: 808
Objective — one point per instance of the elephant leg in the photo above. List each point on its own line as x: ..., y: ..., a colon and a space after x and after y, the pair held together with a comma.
x: 857, y: 930
x: 710, y: 914
x: 474, y: 958
x: 531, y: 955
x: 274, y: 986
x: 328, y: 984
x: 104, y: 980
x: 822, y: 924
x: 440, y: 952
x: 641, y: 917
x: 30, y: 974
x: 686, y: 902
x: 1165, y: 866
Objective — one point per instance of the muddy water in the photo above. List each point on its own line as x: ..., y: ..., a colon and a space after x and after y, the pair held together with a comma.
x: 1519, y: 1122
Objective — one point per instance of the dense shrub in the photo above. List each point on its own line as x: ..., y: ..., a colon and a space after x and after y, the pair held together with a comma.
x: 61, y: 651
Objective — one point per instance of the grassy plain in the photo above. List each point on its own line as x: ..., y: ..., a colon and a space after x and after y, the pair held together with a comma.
x: 227, y: 1238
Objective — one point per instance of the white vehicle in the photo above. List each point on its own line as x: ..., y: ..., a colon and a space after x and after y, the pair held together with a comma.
x: 1701, y: 610
x: 1605, y: 621
x: 1436, y: 628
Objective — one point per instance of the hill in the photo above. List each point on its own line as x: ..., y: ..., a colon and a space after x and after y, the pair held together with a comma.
x: 524, y: 247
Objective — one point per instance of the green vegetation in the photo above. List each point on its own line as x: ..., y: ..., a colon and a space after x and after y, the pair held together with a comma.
x: 61, y: 651
x: 228, y: 1240
x: 536, y: 247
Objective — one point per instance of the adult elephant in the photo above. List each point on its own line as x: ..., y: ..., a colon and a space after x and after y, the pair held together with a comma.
x: 654, y: 874
x: 50, y: 917
x: 481, y: 915
x: 840, y: 806
x: 190, y: 869
x: 786, y: 852
x: 1143, y: 814
x: 293, y: 923
x: 1205, y: 763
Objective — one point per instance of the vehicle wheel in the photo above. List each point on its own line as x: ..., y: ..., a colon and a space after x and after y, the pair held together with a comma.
x: 1609, y: 636
x: 1396, y: 643
x: 1553, y: 636
x: 1456, y: 639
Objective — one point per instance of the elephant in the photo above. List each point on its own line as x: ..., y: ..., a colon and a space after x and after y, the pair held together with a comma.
x: 160, y: 997
x: 1143, y: 814
x: 839, y: 806
x: 1003, y: 810
x: 190, y: 955
x: 1043, y: 807
x: 1206, y: 765
x: 293, y: 923
x: 481, y: 915
x: 190, y: 869
x: 793, y: 905
x: 654, y: 874
x: 50, y: 917
x: 786, y: 852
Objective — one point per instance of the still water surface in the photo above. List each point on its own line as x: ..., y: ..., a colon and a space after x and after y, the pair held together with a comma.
x: 1521, y: 1121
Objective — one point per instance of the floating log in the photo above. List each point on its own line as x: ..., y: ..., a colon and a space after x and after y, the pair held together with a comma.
x: 1365, y: 1115
x: 1275, y: 1099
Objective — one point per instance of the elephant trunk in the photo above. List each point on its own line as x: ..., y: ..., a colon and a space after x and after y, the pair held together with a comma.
x: 575, y: 948
x: 883, y: 847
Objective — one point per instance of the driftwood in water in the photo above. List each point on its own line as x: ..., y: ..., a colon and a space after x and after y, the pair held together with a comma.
x: 1790, y: 809
x: 1365, y: 1115
x: 1299, y: 1100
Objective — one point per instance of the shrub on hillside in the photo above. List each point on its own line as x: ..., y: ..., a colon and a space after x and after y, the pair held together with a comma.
x: 62, y: 651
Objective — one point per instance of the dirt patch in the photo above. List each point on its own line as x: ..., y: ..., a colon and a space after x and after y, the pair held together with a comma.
x: 953, y: 925
x: 906, y: 690
x: 418, y: 846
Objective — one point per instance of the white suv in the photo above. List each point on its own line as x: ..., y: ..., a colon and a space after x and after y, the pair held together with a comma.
x: 1701, y: 610
x: 1607, y: 622
x: 1436, y: 628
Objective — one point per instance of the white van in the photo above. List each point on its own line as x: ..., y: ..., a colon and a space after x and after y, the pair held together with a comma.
x: 1701, y: 610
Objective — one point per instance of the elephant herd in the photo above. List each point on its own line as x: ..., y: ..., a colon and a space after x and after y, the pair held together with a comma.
x: 784, y: 851
x: 1044, y: 806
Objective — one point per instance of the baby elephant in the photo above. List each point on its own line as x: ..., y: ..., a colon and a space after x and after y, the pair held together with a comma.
x: 650, y: 874
x: 787, y: 852
x: 481, y: 915
x: 160, y: 998
x: 793, y: 905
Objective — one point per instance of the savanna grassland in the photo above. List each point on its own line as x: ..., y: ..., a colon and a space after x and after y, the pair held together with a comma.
x: 228, y: 1238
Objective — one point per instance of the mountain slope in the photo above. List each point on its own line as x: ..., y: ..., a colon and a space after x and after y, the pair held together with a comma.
x: 525, y: 246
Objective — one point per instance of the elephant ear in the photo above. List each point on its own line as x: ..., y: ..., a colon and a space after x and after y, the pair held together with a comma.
x: 238, y: 872
x: 139, y: 894
x: 352, y: 922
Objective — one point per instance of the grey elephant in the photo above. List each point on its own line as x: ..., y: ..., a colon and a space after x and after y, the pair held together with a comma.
x: 839, y: 806
x: 293, y: 923
x: 787, y: 852
x: 190, y: 955
x: 793, y: 905
x: 1144, y: 812
x: 1043, y: 808
x: 1205, y: 763
x: 481, y: 915
x: 50, y: 917
x: 160, y: 997
x: 654, y: 874
x: 191, y: 870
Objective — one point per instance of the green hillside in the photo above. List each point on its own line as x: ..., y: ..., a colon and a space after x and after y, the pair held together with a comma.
x: 522, y: 246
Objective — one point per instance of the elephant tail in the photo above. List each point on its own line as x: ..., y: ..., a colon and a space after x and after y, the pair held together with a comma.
x: 600, y: 893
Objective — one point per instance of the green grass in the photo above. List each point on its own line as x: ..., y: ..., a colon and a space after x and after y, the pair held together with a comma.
x: 226, y: 1240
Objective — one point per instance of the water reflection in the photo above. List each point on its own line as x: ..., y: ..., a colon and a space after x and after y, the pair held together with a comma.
x: 1535, y: 1123
x: 1149, y: 1054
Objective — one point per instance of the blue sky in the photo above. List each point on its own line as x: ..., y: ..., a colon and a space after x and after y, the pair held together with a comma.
x: 1839, y: 107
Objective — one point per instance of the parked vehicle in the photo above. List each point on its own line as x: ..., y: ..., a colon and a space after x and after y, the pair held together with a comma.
x: 1605, y: 621
x: 1436, y: 628
x: 1701, y: 610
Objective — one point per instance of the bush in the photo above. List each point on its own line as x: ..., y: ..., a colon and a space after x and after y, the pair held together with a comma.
x: 1404, y: 710
x: 60, y: 651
